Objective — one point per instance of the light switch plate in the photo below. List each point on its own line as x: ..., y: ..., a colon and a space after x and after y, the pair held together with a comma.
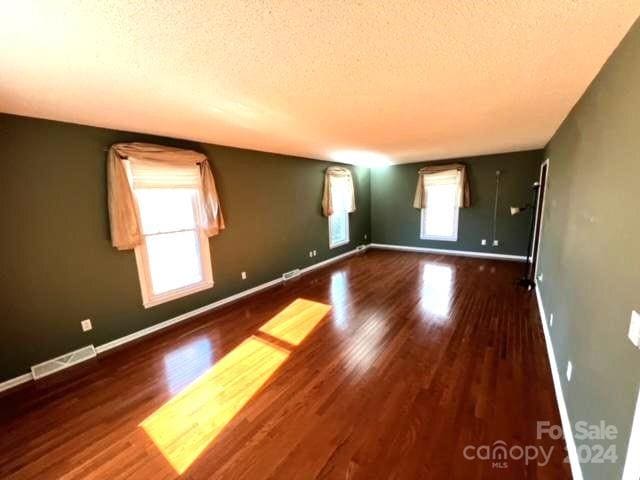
x: 483, y: 241
x: 496, y: 243
x: 634, y: 328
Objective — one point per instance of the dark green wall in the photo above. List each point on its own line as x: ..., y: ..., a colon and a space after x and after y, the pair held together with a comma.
x: 590, y: 252
x: 58, y: 266
x: 396, y: 222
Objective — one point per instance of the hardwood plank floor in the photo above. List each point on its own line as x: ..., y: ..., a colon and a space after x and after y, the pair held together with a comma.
x: 383, y: 366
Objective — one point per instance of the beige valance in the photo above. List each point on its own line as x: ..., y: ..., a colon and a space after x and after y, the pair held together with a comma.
x: 440, y: 171
x: 156, y: 166
x: 338, y: 195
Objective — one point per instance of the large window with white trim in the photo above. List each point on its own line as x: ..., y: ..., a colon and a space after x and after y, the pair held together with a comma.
x: 173, y: 259
x: 339, y: 219
x: 439, y: 220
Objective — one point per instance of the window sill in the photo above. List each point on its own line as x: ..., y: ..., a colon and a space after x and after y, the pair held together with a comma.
x: 440, y: 239
x: 175, y: 294
x: 336, y: 245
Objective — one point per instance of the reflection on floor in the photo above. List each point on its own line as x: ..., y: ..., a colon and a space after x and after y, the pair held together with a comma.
x: 184, y: 365
x: 437, y: 281
x: 184, y: 426
x: 385, y: 365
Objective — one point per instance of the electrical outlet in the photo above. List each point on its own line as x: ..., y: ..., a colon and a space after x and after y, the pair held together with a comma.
x: 541, y: 277
x: 86, y: 325
x: 244, y: 275
x: 551, y: 320
x: 634, y: 328
x: 365, y: 236
x: 569, y: 370
x: 496, y: 243
x: 315, y: 253
x: 483, y: 241
x: 310, y: 254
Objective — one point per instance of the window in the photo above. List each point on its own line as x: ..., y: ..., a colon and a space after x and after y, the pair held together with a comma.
x: 439, y: 220
x: 173, y: 260
x: 338, y: 229
x: 339, y: 219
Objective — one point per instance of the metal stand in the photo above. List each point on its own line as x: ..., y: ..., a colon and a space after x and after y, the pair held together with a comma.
x: 526, y: 281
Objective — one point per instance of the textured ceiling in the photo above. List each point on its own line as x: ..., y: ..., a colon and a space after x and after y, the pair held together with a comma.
x: 415, y: 80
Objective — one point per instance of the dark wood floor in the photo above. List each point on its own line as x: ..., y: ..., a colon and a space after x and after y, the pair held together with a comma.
x: 386, y: 365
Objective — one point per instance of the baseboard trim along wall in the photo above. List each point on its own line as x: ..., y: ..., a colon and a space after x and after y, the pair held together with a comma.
x: 14, y: 382
x: 27, y: 377
x: 185, y: 316
x: 572, y: 451
x: 442, y: 251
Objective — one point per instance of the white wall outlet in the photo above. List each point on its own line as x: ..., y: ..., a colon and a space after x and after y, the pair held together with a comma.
x: 551, y: 320
x: 86, y: 325
x: 315, y: 253
x: 310, y: 253
x: 483, y: 241
x: 540, y: 277
x: 634, y: 328
x: 365, y: 236
x: 244, y: 275
x: 496, y: 243
x: 569, y: 370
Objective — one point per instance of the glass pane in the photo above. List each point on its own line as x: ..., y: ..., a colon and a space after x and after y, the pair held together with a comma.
x: 442, y: 207
x: 340, y: 193
x: 174, y: 260
x: 165, y: 209
x: 338, y: 228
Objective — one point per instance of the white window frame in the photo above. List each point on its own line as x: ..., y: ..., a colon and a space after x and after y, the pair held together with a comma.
x: 151, y: 299
x: 348, y: 235
x: 442, y: 238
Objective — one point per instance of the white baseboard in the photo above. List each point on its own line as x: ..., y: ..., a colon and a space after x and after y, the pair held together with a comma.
x: 212, y: 306
x: 187, y: 315
x: 14, y: 382
x: 442, y: 251
x: 576, y: 469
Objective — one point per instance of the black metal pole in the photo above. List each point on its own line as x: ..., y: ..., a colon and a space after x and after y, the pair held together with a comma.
x: 526, y: 280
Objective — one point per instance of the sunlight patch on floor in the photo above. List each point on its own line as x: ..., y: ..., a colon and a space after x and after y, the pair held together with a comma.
x: 186, y: 424
x: 295, y: 322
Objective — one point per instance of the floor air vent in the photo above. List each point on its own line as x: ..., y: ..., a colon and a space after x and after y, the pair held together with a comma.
x: 63, y: 361
x: 360, y: 248
x: 291, y: 274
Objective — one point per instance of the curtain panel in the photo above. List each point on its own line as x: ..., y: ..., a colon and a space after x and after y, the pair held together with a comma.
x: 156, y: 166
x: 338, y: 194
x: 436, y: 171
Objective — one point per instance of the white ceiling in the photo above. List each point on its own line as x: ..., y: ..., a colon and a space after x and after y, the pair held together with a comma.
x: 414, y: 80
